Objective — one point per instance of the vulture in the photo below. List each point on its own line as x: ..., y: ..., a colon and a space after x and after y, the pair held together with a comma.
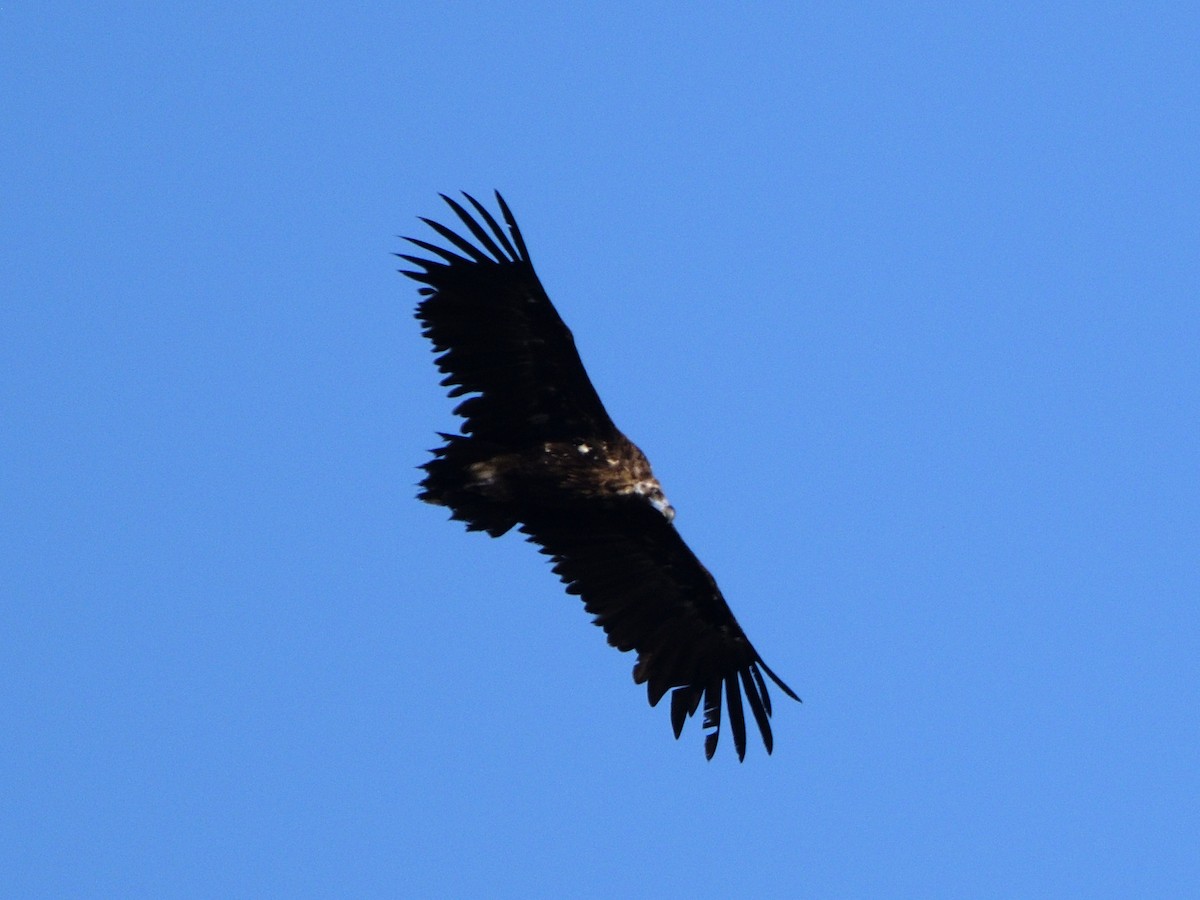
x: 538, y: 452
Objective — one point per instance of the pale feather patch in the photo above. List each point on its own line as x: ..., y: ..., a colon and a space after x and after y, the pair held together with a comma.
x: 483, y: 472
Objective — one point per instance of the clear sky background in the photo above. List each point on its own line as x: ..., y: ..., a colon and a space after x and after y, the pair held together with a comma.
x: 900, y: 299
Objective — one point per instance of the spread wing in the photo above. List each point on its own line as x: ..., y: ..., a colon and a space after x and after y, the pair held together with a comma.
x: 499, y: 336
x: 650, y: 593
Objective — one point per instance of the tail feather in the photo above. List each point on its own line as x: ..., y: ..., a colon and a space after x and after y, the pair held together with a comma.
x: 451, y: 481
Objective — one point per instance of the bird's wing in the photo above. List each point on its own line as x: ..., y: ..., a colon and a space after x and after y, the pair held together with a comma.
x: 499, y: 336
x: 650, y: 593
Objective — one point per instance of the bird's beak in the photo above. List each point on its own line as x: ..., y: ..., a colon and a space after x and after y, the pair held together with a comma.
x: 665, y: 508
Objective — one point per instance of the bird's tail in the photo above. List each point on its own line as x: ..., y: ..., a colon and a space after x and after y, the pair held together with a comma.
x: 470, y: 480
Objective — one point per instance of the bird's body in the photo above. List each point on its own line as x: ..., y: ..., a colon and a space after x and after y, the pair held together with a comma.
x: 539, y: 452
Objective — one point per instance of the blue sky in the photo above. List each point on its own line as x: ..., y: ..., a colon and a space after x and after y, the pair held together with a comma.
x: 901, y: 300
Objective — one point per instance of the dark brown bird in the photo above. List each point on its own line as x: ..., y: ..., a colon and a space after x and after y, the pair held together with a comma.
x: 538, y: 451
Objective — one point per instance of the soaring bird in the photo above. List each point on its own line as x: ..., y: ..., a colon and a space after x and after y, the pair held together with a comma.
x: 537, y: 451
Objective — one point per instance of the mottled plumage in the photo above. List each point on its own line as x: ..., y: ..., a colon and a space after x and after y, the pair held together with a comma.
x: 537, y: 451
